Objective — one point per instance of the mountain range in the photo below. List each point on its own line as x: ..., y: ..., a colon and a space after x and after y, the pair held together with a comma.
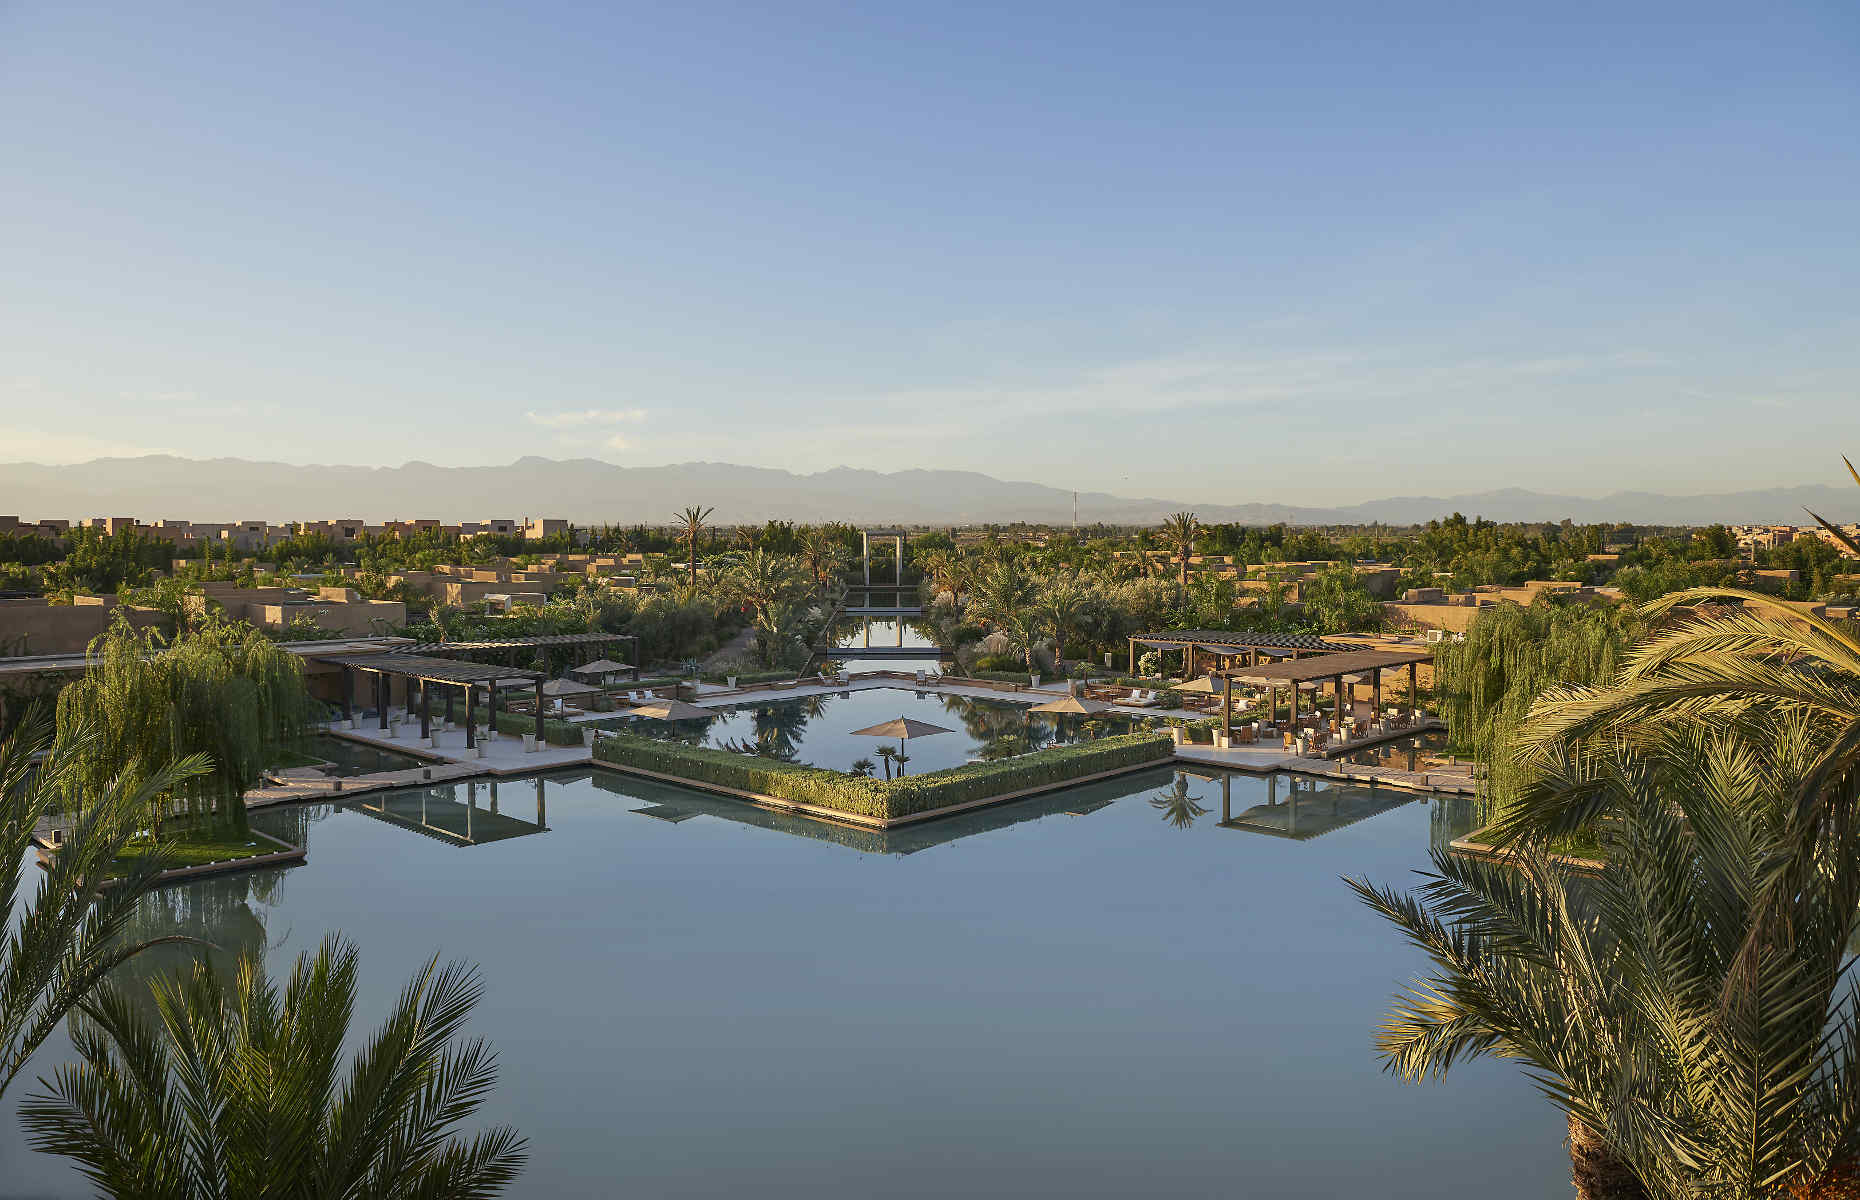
x: 588, y: 491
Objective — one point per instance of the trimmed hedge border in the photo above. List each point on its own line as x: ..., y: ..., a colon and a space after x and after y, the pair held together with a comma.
x: 556, y: 733
x: 880, y: 799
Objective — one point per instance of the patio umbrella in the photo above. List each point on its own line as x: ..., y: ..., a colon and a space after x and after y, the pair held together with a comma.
x: 1071, y: 704
x: 901, y: 728
x: 568, y: 687
x: 1204, y: 684
x: 602, y: 667
x: 672, y: 710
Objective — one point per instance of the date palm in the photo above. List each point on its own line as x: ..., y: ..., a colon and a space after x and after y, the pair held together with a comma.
x: 74, y: 932
x: 234, y: 1088
x: 1687, y: 1065
x: 692, y: 521
x: 1004, y: 597
x: 1179, y: 532
x: 1061, y: 609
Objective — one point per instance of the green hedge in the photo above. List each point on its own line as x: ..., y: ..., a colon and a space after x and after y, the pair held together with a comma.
x: 556, y: 733
x: 743, y: 677
x: 867, y: 797
x: 1021, y: 677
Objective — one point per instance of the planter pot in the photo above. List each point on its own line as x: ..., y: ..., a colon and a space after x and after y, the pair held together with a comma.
x: 529, y: 743
x: 730, y: 681
x: 478, y: 750
x: 1175, y: 734
x: 432, y: 742
x: 350, y: 723
x: 1222, y: 742
x: 1036, y: 681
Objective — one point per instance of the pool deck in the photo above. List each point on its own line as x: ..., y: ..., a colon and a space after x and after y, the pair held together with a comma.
x: 503, y: 754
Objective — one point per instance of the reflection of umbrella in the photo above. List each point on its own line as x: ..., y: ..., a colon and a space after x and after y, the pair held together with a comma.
x: 672, y: 710
x: 901, y: 728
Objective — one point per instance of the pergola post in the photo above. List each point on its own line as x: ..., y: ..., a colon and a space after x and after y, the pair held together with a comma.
x: 1294, y: 721
x: 1336, y: 716
x: 1188, y: 661
x: 1227, y: 707
x: 636, y: 659
x: 1414, y: 699
x: 426, y: 710
x: 1133, y: 658
x: 1375, y: 692
x: 348, y: 694
x: 471, y: 716
x: 381, y: 697
x: 492, y: 688
x: 539, y: 729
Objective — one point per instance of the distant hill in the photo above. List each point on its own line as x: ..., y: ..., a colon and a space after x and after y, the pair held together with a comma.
x: 589, y: 491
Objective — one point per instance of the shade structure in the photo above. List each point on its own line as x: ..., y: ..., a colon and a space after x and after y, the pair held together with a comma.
x: 601, y: 666
x: 1200, y: 683
x: 672, y: 710
x: 1071, y: 704
x: 902, y: 727
x: 568, y: 687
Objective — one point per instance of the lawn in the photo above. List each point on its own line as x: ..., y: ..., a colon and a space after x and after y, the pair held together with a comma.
x: 191, y: 843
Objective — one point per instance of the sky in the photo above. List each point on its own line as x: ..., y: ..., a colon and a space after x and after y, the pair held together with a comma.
x: 1311, y: 254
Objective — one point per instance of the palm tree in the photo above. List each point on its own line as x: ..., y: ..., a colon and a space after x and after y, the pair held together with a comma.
x: 73, y: 933
x: 1687, y: 1065
x: 863, y: 767
x: 1177, y: 803
x: 1061, y: 608
x: 1180, y: 531
x: 886, y: 754
x: 824, y: 555
x: 693, y: 519
x: 238, y: 1090
x: 900, y: 757
x: 1004, y: 598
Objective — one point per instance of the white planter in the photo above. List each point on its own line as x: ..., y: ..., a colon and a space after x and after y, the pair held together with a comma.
x: 1036, y: 681
x: 529, y: 743
x: 432, y: 741
x: 730, y: 681
x: 1222, y: 742
x: 478, y: 750
x: 1175, y: 734
x: 350, y: 723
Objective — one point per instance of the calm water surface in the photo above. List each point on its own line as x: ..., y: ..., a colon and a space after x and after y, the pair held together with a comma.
x: 1107, y: 992
x: 819, y: 730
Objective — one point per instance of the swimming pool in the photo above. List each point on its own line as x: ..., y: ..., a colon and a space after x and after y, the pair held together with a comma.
x: 818, y: 730
x: 348, y: 759
x: 1150, y: 986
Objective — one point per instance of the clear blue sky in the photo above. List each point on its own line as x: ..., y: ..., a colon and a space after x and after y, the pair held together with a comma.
x: 1137, y: 248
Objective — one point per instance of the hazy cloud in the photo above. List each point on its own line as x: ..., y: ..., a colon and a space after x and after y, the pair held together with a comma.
x: 582, y: 418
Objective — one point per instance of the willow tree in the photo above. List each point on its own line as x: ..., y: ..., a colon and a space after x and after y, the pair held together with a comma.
x: 221, y: 689
x: 1511, y: 655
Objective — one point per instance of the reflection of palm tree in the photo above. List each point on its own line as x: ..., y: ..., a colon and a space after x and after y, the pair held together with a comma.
x: 1177, y: 803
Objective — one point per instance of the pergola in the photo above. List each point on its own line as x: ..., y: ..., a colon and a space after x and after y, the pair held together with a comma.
x: 513, y: 645
x: 1335, y: 668
x: 1224, y: 643
x: 445, y: 672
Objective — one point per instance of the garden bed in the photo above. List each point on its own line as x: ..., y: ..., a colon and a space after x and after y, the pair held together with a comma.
x: 878, y: 801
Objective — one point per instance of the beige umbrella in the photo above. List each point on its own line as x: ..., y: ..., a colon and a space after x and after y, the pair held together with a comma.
x: 901, y: 728
x: 601, y: 666
x: 1071, y: 704
x: 672, y: 710
x: 568, y: 687
x: 1204, y: 684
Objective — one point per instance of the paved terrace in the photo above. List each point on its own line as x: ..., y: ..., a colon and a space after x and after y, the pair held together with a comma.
x: 504, y: 755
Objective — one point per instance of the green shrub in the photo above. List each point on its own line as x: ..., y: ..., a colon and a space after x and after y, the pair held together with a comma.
x: 1002, y: 676
x: 751, y: 677
x: 868, y: 797
x: 556, y: 733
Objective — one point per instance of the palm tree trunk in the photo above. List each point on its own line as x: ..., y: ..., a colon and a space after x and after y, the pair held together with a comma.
x: 1596, y: 1171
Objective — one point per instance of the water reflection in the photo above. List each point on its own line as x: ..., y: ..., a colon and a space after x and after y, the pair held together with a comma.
x: 1177, y: 801
x: 817, y: 730
x: 471, y: 813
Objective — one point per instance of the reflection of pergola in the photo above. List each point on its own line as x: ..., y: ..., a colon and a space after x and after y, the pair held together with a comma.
x: 512, y: 646
x: 437, y: 813
x: 1226, y: 644
x: 1335, y: 668
x: 414, y: 668
x: 1308, y: 811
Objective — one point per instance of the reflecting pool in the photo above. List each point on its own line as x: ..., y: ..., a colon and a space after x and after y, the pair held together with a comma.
x: 348, y: 759
x: 818, y: 730
x: 1151, y: 986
